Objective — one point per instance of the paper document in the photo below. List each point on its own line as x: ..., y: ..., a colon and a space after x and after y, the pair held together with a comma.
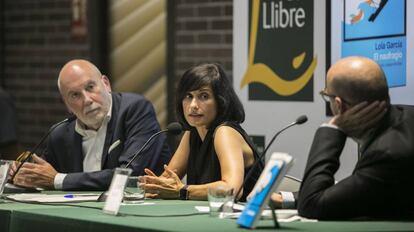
x: 283, y: 215
x: 53, y: 198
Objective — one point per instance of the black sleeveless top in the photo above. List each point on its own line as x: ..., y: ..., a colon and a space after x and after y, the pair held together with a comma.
x: 204, y: 166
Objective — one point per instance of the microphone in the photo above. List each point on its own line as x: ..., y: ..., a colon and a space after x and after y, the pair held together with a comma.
x: 300, y: 120
x: 174, y: 128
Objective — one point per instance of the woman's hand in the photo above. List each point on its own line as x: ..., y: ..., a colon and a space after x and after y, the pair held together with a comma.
x: 166, y: 186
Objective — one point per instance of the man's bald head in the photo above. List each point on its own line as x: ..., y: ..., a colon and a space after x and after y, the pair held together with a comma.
x: 357, y: 79
x: 74, y: 68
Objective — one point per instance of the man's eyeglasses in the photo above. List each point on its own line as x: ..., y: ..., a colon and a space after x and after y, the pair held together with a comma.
x: 327, y: 97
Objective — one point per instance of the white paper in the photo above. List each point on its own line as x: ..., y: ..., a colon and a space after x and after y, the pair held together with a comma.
x: 283, y: 215
x: 53, y: 198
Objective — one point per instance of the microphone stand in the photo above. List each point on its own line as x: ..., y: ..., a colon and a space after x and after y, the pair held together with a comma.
x: 10, y: 187
x: 260, y: 159
x: 300, y: 120
x: 173, y: 128
x: 144, y: 146
x: 104, y: 195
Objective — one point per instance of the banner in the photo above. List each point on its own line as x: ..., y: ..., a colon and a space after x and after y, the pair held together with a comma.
x: 377, y: 30
x: 380, y: 30
x: 277, y: 72
x: 281, y: 61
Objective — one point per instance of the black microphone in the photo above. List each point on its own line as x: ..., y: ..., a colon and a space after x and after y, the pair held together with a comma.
x: 174, y: 128
x: 28, y: 156
x: 300, y: 120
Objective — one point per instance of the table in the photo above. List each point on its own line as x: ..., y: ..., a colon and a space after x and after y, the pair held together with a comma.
x: 162, y: 215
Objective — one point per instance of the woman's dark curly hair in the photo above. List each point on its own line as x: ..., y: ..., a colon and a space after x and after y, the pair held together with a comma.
x: 229, y: 107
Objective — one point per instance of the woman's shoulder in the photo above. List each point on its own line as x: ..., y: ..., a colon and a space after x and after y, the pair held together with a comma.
x: 233, y: 129
x: 228, y: 127
x: 229, y: 124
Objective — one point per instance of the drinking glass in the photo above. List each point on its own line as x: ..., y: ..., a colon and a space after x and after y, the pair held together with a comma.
x: 220, y: 200
x: 133, y: 193
x: 4, y: 173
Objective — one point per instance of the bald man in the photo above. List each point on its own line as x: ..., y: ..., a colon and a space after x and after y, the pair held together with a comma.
x: 381, y: 184
x: 105, y: 132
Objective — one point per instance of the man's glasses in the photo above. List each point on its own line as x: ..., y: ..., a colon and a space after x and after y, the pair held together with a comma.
x: 327, y: 97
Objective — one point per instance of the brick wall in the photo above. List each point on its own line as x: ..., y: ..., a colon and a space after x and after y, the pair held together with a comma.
x: 37, y: 42
x: 204, y: 33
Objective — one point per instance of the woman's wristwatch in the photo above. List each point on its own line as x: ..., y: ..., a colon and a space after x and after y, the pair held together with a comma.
x: 184, y: 193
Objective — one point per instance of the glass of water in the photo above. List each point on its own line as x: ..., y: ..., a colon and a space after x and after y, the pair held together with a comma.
x: 220, y: 200
x: 133, y: 193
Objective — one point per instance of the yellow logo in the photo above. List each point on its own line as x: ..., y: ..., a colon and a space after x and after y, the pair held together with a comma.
x: 261, y: 73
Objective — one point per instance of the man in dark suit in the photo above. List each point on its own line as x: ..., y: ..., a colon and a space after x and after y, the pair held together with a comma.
x: 381, y: 184
x: 108, y: 129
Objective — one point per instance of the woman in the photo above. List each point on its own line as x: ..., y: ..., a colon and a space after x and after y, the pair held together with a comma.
x: 214, y: 149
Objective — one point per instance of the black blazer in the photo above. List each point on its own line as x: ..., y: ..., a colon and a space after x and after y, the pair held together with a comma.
x: 132, y: 122
x: 381, y: 185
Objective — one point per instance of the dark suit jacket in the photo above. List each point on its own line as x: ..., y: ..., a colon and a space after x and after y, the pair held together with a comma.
x: 381, y: 185
x: 132, y: 122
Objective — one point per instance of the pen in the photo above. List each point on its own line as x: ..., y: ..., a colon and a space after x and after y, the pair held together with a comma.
x: 79, y: 195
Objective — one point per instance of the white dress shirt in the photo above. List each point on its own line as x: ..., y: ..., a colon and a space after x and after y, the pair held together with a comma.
x: 92, y: 147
